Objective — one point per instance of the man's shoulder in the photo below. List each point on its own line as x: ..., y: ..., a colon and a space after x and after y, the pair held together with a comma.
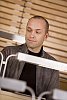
x: 12, y: 49
x: 15, y: 47
x: 48, y: 56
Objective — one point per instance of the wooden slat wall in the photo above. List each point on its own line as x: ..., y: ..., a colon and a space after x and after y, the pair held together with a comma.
x: 14, y: 15
x: 11, y: 14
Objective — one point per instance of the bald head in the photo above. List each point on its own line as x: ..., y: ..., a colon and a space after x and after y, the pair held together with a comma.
x: 42, y: 18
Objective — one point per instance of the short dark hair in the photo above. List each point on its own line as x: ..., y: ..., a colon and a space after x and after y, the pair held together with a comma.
x: 40, y: 17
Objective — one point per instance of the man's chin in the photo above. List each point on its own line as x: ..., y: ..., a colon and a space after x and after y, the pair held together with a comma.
x: 31, y: 46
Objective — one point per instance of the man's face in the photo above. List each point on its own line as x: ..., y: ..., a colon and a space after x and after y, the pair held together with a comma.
x: 35, y: 33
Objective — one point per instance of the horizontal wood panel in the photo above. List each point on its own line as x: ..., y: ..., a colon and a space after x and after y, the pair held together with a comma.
x: 19, y: 2
x: 58, y: 41
x: 48, y: 16
x: 59, y: 58
x: 57, y: 35
x: 49, y: 5
x: 47, y: 10
x: 9, y: 11
x: 7, y: 41
x: 54, y: 45
x: 58, y: 2
x: 59, y: 30
x: 4, y: 40
x: 57, y: 24
x: 6, y: 44
x: 56, y: 52
x: 63, y: 84
x: 63, y: 75
x: 9, y: 28
x: 22, y: 31
x: 5, y: 95
x: 5, y: 30
x: 27, y: 15
x: 3, y: 44
x: 8, y: 22
x: 63, y: 81
x: 24, y: 20
x: 10, y: 17
x: 11, y: 6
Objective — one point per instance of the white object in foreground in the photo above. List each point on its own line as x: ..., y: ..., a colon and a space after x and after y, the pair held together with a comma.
x: 42, y: 62
x: 59, y: 94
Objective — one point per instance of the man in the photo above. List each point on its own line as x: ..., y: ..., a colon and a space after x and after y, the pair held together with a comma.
x: 38, y: 78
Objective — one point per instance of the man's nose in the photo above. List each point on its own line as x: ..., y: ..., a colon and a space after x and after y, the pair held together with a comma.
x: 32, y: 33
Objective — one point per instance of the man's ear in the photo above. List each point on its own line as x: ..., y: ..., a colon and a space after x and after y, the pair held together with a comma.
x: 46, y: 35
